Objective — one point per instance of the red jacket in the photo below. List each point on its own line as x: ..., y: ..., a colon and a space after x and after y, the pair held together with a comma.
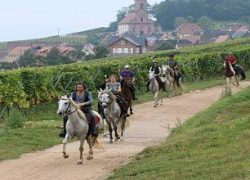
x: 231, y: 59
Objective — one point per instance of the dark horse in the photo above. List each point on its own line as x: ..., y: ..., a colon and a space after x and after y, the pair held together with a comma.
x: 127, y: 94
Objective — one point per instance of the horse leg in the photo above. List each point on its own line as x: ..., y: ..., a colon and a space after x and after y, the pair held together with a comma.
x: 90, y: 140
x: 65, y: 155
x: 110, y: 132
x: 115, y: 123
x: 81, y: 152
x: 156, y: 99
x: 131, y: 109
x: 123, y: 124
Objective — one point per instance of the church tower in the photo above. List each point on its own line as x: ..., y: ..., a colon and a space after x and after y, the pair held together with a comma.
x: 137, y: 22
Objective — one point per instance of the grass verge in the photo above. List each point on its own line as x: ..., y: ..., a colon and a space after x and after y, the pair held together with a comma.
x: 214, y: 144
x: 41, y: 129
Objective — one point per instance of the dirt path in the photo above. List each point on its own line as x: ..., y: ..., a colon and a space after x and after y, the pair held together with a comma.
x: 149, y: 126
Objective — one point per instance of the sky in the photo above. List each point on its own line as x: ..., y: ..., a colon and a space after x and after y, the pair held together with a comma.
x: 28, y: 19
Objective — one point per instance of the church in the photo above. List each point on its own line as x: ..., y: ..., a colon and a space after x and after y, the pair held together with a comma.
x: 137, y: 22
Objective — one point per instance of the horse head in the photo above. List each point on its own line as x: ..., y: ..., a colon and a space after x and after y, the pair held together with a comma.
x: 166, y: 69
x: 106, y: 97
x: 63, y: 105
x: 151, y: 75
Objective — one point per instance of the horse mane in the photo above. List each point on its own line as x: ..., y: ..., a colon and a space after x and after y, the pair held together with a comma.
x: 78, y: 108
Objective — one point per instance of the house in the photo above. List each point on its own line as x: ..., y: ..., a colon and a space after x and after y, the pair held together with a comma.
x: 127, y: 45
x: 137, y: 21
x: 15, y: 54
x: 188, y: 29
x: 190, y: 32
x: 66, y: 50
x: 89, y: 49
x: 222, y: 38
x: 43, y: 51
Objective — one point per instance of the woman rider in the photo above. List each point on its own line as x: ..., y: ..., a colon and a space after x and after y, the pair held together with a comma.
x: 84, y: 99
x: 116, y: 90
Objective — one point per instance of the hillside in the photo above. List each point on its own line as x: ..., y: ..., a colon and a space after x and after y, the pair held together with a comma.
x: 209, y: 12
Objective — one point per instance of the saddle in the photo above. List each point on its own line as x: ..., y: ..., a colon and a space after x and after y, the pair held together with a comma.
x: 82, y: 116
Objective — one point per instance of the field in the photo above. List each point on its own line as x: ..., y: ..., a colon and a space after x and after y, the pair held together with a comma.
x: 214, y: 144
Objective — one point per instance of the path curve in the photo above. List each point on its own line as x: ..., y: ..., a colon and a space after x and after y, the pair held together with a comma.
x: 149, y: 126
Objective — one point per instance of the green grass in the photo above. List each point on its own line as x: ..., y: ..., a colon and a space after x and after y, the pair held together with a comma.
x: 41, y: 129
x: 214, y: 144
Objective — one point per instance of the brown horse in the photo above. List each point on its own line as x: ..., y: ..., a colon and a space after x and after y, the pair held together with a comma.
x: 127, y: 94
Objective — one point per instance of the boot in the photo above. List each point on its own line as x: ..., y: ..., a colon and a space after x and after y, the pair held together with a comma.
x: 63, y: 132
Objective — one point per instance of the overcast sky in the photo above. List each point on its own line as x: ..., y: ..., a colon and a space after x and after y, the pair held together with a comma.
x: 26, y: 19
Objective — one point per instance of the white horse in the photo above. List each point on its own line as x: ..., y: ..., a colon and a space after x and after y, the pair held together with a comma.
x: 77, y: 126
x: 112, y: 113
x: 169, y: 74
x: 155, y: 88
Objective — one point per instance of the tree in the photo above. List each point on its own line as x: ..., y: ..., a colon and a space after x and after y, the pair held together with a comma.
x: 54, y: 57
x: 27, y: 59
x: 101, y: 52
x: 166, y: 45
x: 180, y: 20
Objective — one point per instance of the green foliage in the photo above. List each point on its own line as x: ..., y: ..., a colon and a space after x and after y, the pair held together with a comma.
x: 214, y: 144
x: 27, y: 59
x: 30, y: 86
x: 167, y: 11
x: 15, y: 119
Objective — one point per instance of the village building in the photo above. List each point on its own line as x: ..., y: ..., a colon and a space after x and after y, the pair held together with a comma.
x: 127, y: 45
x: 137, y: 22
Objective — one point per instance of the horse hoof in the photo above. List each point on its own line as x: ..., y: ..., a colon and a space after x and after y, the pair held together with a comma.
x: 65, y: 155
x: 79, y: 163
x: 90, y: 158
x: 131, y: 113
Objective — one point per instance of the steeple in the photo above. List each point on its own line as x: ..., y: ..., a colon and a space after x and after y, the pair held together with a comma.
x: 141, y: 5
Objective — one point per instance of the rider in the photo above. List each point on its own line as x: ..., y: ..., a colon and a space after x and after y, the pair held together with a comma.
x: 232, y: 60
x: 128, y: 75
x: 116, y: 90
x: 84, y: 99
x: 174, y: 65
x: 157, y: 72
x: 106, y: 80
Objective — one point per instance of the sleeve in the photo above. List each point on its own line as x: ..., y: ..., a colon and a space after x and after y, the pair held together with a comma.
x: 132, y: 74
x: 90, y: 97
x: 159, y: 70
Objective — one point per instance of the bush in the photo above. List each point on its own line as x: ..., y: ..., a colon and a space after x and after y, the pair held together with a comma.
x: 15, y: 120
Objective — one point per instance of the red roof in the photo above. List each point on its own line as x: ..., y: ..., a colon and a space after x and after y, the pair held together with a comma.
x: 129, y: 18
x: 188, y: 28
x: 222, y: 38
x: 18, y: 51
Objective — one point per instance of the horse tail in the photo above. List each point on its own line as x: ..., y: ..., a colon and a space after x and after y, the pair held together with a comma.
x: 98, y: 145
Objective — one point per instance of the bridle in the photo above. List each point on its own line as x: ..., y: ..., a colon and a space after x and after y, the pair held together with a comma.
x: 68, y: 110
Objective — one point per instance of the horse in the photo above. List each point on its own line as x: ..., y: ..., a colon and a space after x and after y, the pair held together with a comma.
x: 77, y: 126
x: 231, y: 78
x: 127, y: 94
x: 169, y: 74
x: 155, y: 88
x: 112, y: 112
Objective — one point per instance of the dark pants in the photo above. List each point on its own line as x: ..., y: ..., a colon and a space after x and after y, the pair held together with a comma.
x: 132, y: 90
x: 91, y: 120
x: 122, y: 103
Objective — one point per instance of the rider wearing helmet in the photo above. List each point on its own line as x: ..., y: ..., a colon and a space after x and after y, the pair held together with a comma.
x: 174, y: 65
x: 128, y: 75
x: 157, y: 72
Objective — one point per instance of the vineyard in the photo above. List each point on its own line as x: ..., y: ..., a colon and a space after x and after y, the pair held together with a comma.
x: 25, y: 87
